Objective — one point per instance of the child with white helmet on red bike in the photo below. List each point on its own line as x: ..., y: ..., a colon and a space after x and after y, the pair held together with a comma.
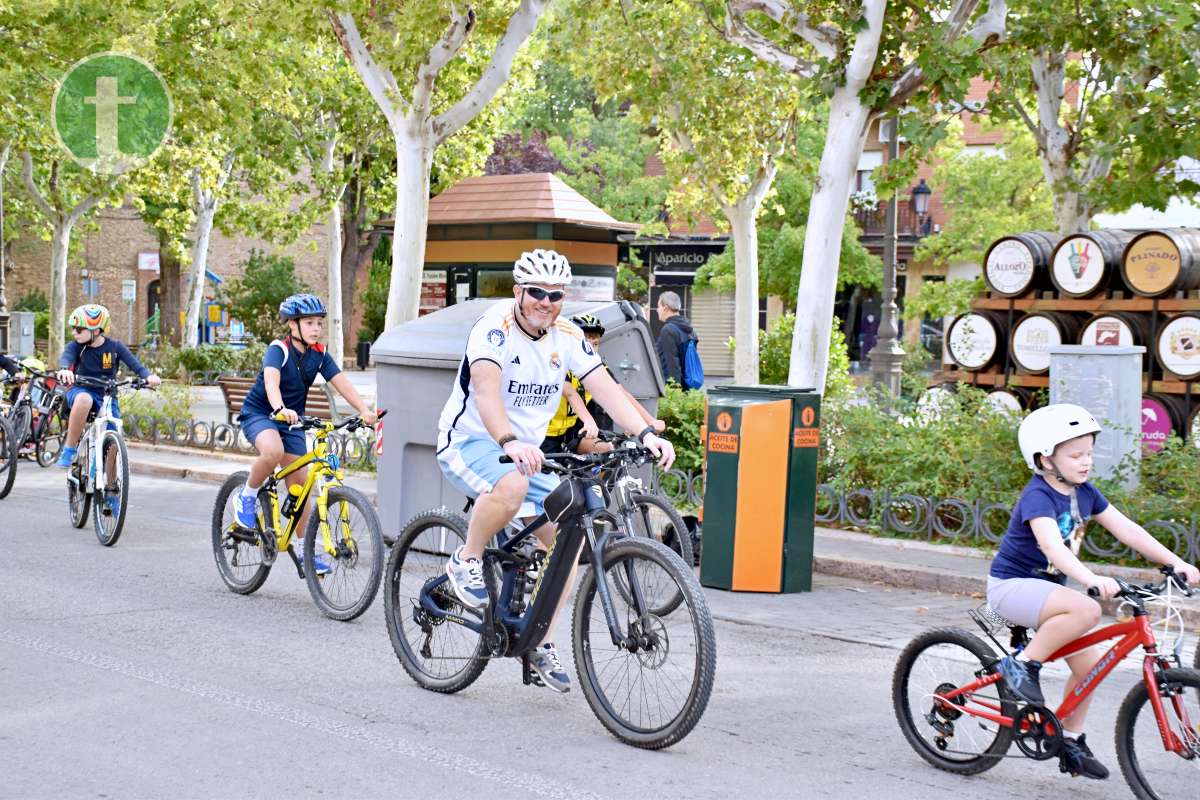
x: 1039, y: 551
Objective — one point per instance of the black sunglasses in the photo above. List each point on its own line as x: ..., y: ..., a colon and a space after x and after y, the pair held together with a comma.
x: 78, y: 329
x: 539, y: 294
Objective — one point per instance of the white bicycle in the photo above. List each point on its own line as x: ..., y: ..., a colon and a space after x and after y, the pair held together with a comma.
x: 101, y: 454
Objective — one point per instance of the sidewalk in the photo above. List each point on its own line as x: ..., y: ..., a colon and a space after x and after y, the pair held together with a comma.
x: 909, y: 569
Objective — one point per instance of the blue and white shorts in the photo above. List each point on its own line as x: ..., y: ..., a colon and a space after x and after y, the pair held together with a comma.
x: 473, y: 467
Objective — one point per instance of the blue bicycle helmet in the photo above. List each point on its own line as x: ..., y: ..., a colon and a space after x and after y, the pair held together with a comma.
x: 301, y: 305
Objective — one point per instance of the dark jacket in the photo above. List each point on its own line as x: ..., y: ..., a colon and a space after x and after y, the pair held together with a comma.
x: 9, y: 365
x: 671, y: 338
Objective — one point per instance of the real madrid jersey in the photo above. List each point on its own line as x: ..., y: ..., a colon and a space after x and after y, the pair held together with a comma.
x: 531, y: 375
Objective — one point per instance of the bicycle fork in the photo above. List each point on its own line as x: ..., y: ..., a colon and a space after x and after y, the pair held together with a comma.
x: 619, y: 638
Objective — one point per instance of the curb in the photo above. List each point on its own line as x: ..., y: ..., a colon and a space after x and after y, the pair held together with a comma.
x: 931, y: 580
x: 158, y: 470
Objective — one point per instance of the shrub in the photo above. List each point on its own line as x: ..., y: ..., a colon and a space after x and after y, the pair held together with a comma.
x: 254, y: 298
x: 171, y: 401
x: 683, y: 411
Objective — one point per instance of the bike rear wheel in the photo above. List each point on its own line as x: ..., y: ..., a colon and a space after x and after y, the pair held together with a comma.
x: 79, y: 498
x: 22, y: 424
x: 9, y: 450
x: 936, y: 662
x: 356, y: 560
x: 440, y: 655
x: 1153, y: 772
x: 653, y: 517
x: 240, y: 563
x: 654, y: 696
x: 112, y: 493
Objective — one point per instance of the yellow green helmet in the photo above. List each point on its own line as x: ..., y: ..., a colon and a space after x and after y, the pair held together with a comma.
x: 92, y: 316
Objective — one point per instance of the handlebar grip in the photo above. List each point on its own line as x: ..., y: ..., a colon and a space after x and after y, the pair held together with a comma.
x: 506, y: 459
x: 1093, y: 591
x: 380, y: 413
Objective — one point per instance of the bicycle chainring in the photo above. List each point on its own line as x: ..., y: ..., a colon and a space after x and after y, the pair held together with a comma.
x: 1037, y: 732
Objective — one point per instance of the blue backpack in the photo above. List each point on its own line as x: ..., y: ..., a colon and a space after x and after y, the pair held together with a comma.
x: 693, y: 370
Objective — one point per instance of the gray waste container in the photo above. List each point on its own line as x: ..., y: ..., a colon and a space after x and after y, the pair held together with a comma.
x: 416, y: 365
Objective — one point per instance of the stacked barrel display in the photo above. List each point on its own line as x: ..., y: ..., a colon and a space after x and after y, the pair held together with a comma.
x: 1105, y: 287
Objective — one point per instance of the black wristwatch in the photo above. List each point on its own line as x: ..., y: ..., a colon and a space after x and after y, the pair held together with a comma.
x: 641, y: 437
x: 275, y: 413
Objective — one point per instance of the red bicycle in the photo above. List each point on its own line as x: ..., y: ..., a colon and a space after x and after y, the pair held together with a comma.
x: 960, y: 717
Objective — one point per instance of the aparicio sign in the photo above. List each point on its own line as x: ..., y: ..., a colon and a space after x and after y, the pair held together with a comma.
x: 679, y: 259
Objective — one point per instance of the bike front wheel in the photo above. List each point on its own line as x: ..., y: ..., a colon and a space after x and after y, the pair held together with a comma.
x: 934, y: 664
x: 9, y: 450
x: 239, y: 554
x: 112, y: 489
x: 651, y: 691
x: 1152, y: 771
x: 440, y: 655
x: 353, y: 551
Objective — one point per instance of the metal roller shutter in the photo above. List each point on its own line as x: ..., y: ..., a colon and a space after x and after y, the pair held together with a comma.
x: 712, y: 319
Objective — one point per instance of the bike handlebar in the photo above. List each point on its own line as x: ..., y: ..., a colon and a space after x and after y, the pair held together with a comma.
x: 1134, y: 592
x: 307, y: 422
x: 583, y: 461
x: 108, y: 384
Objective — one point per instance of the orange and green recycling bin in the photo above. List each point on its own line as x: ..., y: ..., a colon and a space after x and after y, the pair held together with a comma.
x: 760, y: 488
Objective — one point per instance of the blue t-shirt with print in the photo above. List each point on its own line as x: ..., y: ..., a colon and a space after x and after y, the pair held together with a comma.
x: 297, y: 371
x: 1019, y: 555
x: 100, y: 362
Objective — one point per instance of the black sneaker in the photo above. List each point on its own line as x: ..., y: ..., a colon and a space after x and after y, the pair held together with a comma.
x: 1022, y: 678
x: 1076, y: 758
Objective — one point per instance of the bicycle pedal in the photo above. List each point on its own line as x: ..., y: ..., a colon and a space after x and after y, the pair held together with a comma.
x: 529, y: 676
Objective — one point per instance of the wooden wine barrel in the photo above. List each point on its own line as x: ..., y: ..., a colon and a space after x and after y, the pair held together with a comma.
x: 934, y: 399
x: 1085, y: 263
x: 977, y: 339
x: 1015, y: 264
x: 1034, y: 334
x: 1117, y: 329
x: 1177, y: 345
x: 1163, y: 261
x: 1013, y: 399
x: 1162, y: 415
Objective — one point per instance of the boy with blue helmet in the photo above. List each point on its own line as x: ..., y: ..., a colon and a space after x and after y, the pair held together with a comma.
x: 277, y: 400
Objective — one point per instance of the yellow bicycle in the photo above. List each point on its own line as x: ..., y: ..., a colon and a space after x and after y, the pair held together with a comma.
x: 345, y: 532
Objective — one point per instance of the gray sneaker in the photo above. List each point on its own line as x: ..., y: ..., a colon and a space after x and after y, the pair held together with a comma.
x: 544, y: 660
x: 466, y: 579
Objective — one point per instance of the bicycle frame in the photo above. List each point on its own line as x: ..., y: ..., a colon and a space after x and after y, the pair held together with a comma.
x: 531, y: 624
x: 326, y: 472
x: 94, y: 434
x: 1131, y: 634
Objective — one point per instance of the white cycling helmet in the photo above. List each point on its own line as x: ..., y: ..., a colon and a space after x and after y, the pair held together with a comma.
x: 1049, y: 426
x: 542, y: 266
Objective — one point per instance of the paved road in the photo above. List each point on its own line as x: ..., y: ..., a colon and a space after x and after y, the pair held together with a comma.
x: 132, y: 672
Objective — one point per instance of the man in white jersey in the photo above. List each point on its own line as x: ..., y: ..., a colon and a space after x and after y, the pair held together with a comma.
x: 505, y: 395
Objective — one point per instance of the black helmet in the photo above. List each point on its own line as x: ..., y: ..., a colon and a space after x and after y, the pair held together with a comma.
x: 589, y: 322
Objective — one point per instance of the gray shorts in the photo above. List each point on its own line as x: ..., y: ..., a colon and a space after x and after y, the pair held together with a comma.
x: 1019, y: 600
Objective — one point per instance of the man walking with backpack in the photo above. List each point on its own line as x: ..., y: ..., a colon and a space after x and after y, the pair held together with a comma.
x: 677, y: 344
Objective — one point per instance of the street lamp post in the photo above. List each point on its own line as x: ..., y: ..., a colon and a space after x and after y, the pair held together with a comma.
x: 887, y: 354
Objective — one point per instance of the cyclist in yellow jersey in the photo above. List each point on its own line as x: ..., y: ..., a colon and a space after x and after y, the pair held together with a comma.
x: 574, y: 428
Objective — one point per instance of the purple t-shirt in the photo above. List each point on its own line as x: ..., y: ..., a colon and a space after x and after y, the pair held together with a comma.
x: 1019, y: 555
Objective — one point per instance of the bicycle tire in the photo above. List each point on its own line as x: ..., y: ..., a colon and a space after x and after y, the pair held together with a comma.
x: 79, y: 500
x: 1136, y: 702
x: 21, y: 420
x: 255, y: 577
x: 108, y: 534
x: 48, y: 437
x: 589, y: 611
x: 399, y: 597
x: 901, y: 704
x: 9, y: 452
x: 348, y: 560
